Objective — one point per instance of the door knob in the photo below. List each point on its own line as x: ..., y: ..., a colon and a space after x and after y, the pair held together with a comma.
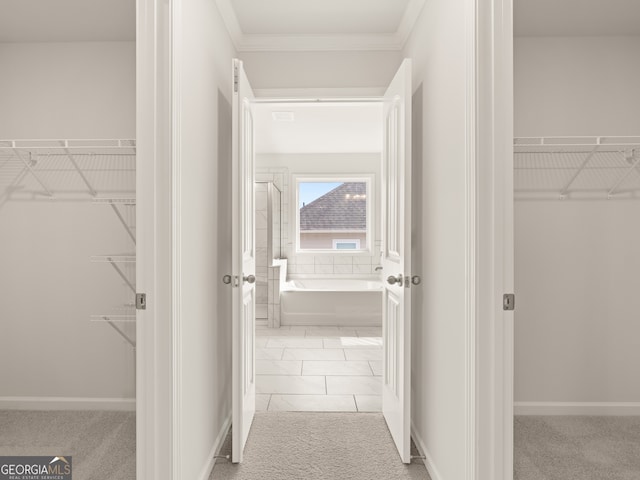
x: 416, y: 280
x: 391, y: 280
x: 249, y: 279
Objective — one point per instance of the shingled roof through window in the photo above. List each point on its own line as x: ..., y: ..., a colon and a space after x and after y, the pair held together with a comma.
x: 343, y: 208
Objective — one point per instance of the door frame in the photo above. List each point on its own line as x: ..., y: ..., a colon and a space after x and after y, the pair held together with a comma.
x: 490, y: 261
x: 489, y: 239
x: 157, y: 352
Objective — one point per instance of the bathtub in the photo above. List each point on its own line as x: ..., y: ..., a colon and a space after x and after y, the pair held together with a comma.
x: 343, y: 302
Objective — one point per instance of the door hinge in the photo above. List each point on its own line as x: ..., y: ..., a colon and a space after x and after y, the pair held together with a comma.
x: 235, y: 78
x: 141, y: 301
x: 509, y: 301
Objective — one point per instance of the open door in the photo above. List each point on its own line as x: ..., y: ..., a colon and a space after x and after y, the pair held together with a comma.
x: 243, y: 263
x: 396, y: 260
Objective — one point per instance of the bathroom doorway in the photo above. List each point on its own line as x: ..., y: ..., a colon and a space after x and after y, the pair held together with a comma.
x: 336, y: 337
x: 321, y: 349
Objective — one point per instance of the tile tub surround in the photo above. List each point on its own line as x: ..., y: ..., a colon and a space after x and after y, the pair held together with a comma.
x: 330, y: 265
x: 277, y: 278
x: 319, y: 369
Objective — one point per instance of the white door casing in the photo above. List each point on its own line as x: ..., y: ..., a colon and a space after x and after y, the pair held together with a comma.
x: 396, y: 259
x: 243, y: 261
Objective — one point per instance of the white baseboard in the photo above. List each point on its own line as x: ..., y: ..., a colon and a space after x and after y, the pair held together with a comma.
x: 428, y: 461
x: 211, y: 459
x: 577, y: 408
x: 67, y: 403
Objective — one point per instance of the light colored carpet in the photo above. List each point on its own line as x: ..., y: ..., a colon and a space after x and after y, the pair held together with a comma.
x: 309, y: 446
x: 349, y: 446
x: 102, y: 444
x: 577, y: 448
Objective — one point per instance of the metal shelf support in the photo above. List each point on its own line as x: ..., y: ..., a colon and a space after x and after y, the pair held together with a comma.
x: 623, y: 178
x: 114, y: 207
x: 121, y: 333
x: 565, y: 189
x: 35, y: 175
x: 92, y: 191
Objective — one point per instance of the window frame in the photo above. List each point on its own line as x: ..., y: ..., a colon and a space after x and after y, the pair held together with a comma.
x: 368, y: 178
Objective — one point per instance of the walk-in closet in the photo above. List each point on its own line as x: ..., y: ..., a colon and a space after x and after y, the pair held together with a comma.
x: 68, y: 233
x: 577, y: 205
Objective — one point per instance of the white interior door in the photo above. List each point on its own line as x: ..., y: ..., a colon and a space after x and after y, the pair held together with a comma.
x: 244, y: 263
x: 396, y: 260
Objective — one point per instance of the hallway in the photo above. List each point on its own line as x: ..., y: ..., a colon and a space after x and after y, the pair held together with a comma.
x: 318, y: 446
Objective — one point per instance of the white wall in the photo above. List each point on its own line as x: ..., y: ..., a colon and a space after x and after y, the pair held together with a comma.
x: 577, y: 86
x: 67, y: 90
x: 578, y: 310
x: 48, y: 346
x: 576, y: 329
x: 278, y: 70
x: 438, y: 399
x: 324, y: 264
x: 204, y: 234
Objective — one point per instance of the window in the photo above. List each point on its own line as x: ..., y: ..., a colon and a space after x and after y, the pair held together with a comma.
x: 334, y: 214
x: 346, y: 244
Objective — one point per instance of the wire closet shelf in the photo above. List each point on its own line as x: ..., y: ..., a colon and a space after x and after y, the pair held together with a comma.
x: 577, y: 168
x: 68, y: 169
x: 101, y: 171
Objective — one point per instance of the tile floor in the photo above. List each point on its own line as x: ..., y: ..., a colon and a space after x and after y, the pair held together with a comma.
x: 319, y: 369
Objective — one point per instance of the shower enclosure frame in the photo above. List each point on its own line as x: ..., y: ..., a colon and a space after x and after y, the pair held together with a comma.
x: 271, y: 253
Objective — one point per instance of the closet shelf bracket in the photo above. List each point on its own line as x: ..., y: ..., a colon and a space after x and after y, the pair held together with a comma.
x: 565, y: 189
x: 72, y: 159
x: 114, y: 203
x: 28, y: 165
x: 623, y: 177
x: 114, y: 261
x: 111, y: 319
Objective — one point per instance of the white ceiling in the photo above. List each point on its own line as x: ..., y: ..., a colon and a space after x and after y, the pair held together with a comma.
x: 576, y: 17
x: 67, y: 20
x: 302, y: 25
x: 319, y: 128
x: 319, y: 17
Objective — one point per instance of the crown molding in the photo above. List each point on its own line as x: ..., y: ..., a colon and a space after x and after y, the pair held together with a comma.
x: 230, y: 20
x: 319, y: 42
x: 409, y: 19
